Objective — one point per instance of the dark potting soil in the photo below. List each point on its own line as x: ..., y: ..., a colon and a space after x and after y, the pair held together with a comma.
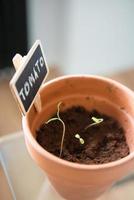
x: 103, y: 143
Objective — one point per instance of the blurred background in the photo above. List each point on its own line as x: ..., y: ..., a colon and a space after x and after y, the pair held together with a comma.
x: 78, y: 36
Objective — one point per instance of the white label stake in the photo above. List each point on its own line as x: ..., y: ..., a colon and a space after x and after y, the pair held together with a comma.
x: 31, y: 71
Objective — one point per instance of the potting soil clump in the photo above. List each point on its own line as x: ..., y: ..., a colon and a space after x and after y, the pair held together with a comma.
x: 96, y: 144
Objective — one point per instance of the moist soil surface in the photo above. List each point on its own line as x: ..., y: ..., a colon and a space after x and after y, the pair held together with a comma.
x: 103, y: 143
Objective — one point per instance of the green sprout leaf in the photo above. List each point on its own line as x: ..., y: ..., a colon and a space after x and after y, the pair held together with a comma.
x: 77, y: 136
x: 97, y: 120
x: 81, y: 140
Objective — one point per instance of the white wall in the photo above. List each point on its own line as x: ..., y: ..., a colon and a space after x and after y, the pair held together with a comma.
x: 44, y: 24
x: 84, y: 36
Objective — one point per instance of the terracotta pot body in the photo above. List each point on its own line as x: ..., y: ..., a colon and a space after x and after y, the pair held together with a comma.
x: 78, y: 181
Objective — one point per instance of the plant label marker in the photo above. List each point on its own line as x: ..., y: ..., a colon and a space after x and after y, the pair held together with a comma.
x: 31, y: 71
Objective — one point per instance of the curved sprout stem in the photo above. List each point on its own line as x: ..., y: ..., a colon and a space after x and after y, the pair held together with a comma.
x: 52, y: 119
x: 63, y: 136
x: 63, y: 124
x: 58, y: 111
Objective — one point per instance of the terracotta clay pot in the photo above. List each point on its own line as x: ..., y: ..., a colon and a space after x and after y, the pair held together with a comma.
x: 80, y: 181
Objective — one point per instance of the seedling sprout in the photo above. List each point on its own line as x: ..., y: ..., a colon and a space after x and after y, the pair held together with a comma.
x: 63, y: 124
x: 81, y: 140
x: 95, y: 122
x: 77, y: 136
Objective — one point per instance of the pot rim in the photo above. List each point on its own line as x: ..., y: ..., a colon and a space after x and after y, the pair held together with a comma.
x: 78, y: 166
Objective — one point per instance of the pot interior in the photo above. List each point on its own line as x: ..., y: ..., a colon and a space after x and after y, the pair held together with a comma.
x: 103, y: 95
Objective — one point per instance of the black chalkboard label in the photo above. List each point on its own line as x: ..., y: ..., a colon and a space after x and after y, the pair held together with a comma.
x: 29, y: 77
